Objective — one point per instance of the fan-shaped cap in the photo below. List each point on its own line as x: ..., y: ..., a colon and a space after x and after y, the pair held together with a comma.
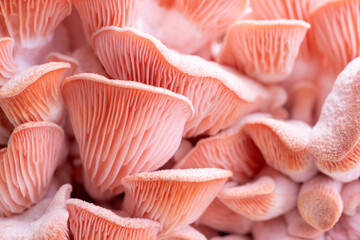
x: 47, y: 220
x: 185, y: 233
x: 188, y: 25
x: 34, y: 94
x: 32, y: 23
x: 58, y: 57
x: 96, y: 14
x: 350, y: 195
x: 8, y: 67
x: 27, y: 165
x: 231, y: 149
x: 346, y: 228
x: 88, y: 221
x: 272, y: 229
x: 334, y: 139
x: 297, y: 226
x: 320, y: 203
x: 270, y: 196
x: 220, y: 97
x: 259, y: 48
x: 334, y: 29
x: 176, y: 197
x: 221, y: 218
x: 283, y: 145
x: 122, y: 127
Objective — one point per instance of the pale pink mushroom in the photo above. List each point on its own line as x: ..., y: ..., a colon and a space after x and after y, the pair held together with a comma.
x: 231, y: 149
x: 220, y: 98
x: 28, y: 164
x: 334, y: 140
x: 231, y: 237
x: 96, y: 14
x: 175, y: 198
x: 8, y: 66
x: 88, y: 221
x: 122, y: 127
x: 283, y: 145
x: 298, y: 227
x: 221, y: 218
x: 47, y: 220
x: 270, y: 195
x: 189, y: 25
x: 346, y: 228
x: 34, y: 94
x: 185, y: 233
x: 265, y: 50
x: 351, y: 197
x: 320, y: 203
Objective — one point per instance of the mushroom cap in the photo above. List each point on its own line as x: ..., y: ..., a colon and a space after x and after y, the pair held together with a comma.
x: 32, y: 23
x: 27, y: 165
x: 334, y: 30
x: 283, y: 145
x: 220, y: 97
x: 221, y: 218
x: 350, y: 195
x: 96, y: 14
x: 8, y: 67
x: 47, y: 220
x: 270, y: 196
x: 346, y: 228
x: 175, y: 197
x: 185, y: 233
x: 122, y: 127
x: 189, y: 25
x: 258, y: 48
x: 334, y: 139
x: 230, y: 149
x: 320, y: 203
x: 88, y: 221
x: 34, y: 94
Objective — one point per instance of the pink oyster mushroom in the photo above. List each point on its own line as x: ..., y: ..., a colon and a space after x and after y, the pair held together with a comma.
x: 105, y: 96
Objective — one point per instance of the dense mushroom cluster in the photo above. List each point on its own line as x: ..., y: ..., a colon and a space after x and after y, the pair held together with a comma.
x: 180, y: 119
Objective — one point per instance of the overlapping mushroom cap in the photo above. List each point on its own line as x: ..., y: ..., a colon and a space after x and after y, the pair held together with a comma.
x: 176, y: 197
x: 122, y: 128
x: 27, y: 165
x: 220, y: 97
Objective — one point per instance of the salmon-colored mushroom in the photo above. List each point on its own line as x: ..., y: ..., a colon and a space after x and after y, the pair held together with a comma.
x: 122, y: 127
x: 176, y: 197
x: 8, y: 66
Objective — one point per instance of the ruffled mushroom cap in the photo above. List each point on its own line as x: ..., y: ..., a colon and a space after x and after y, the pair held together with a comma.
x: 283, y: 145
x: 320, y: 203
x: 231, y: 149
x: 176, y: 197
x: 334, y: 140
x: 270, y: 196
x: 34, y: 94
x: 28, y: 164
x: 346, y: 228
x: 8, y: 67
x: 265, y: 50
x: 32, y: 23
x: 96, y: 14
x: 221, y: 218
x: 334, y: 29
x: 188, y: 25
x: 299, y: 228
x: 47, y: 220
x: 88, y: 221
x: 186, y: 233
x: 122, y: 128
x: 220, y: 98
x: 350, y: 195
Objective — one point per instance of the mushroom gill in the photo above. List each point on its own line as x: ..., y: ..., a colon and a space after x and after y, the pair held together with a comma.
x: 8, y: 66
x: 28, y: 164
x: 88, y: 221
x: 175, y: 197
x: 220, y: 97
x: 122, y: 128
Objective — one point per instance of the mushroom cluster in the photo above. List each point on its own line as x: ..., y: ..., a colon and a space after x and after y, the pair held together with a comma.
x: 180, y: 119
